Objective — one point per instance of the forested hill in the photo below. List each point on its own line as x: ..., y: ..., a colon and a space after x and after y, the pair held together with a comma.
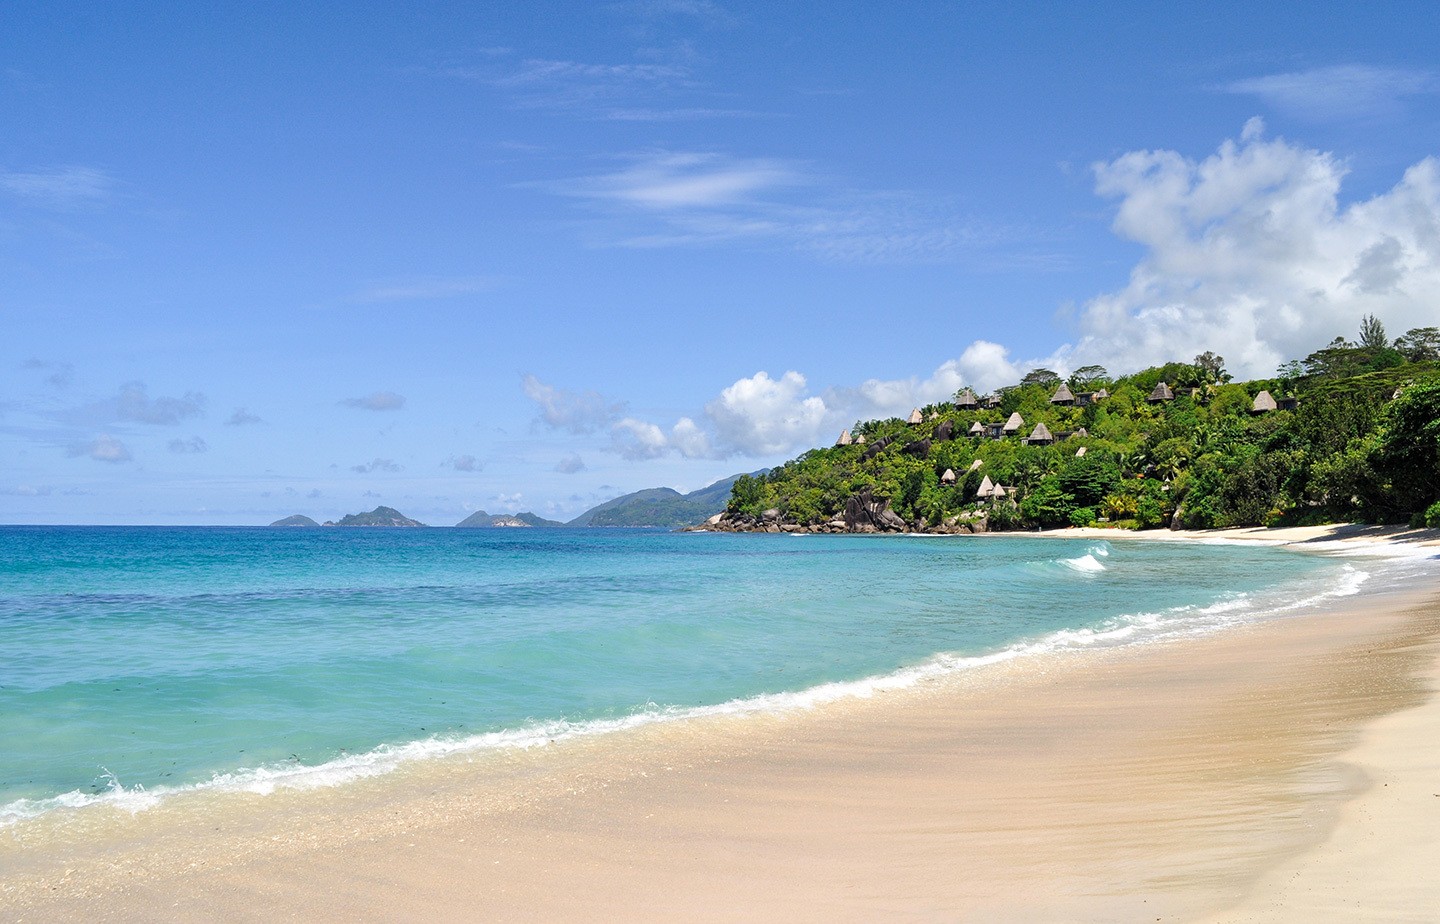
x: 1350, y: 433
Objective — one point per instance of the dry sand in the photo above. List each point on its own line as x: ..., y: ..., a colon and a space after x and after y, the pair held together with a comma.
x: 1281, y: 771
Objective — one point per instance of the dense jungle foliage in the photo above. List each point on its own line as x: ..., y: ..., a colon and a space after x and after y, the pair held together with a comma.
x: 1363, y: 444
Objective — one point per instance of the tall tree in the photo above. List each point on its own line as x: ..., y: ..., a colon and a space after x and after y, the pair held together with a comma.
x: 1040, y: 377
x: 1088, y: 377
x: 1419, y: 344
x: 1213, y: 366
x: 1372, y: 333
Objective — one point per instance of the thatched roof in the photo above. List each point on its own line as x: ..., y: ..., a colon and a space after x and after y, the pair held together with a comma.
x: 966, y: 399
x: 1102, y: 393
x: 1263, y: 402
x: 915, y: 416
x: 1063, y: 395
x: 1080, y: 452
x: 1162, y: 392
x: 1014, y: 423
x: 1041, y: 434
x: 1081, y: 432
x: 948, y: 477
x: 999, y: 491
x: 987, y: 487
x: 860, y: 440
x: 976, y: 464
x: 977, y: 427
x: 844, y: 439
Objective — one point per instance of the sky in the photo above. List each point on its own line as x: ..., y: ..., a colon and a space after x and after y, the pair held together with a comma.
x: 259, y: 258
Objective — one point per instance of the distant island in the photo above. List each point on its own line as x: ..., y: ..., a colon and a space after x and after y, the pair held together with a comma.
x: 664, y: 508
x: 378, y: 517
x: 482, y: 520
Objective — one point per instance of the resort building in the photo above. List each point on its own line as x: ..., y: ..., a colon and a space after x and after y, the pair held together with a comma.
x: 1161, y: 393
x: 915, y: 417
x: 948, y: 477
x: 844, y: 439
x: 1013, y: 425
x: 1262, y: 403
x: 965, y: 401
x: 1063, y: 396
x: 1040, y: 436
x: 977, y: 429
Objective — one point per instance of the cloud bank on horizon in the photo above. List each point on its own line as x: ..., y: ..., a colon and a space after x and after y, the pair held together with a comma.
x: 1248, y: 253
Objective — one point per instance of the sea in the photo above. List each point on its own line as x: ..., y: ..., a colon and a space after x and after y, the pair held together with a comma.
x: 141, y: 662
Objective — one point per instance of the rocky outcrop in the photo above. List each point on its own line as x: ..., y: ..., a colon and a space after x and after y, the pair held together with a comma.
x: 919, y: 449
x: 945, y: 431
x: 863, y: 513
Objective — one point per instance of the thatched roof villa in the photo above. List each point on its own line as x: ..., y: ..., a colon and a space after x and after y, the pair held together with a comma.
x: 1162, y: 392
x: 1014, y: 424
x: 844, y: 439
x: 1263, y: 402
x: 1063, y: 396
x: 948, y: 477
x: 977, y: 429
x: 965, y: 401
x: 1040, y: 436
x: 915, y: 417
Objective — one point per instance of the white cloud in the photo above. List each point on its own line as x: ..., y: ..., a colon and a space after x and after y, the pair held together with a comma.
x: 104, y: 448
x: 1250, y: 254
x: 377, y: 401
x: 638, y: 439
x: 193, y: 444
x: 579, y: 412
x: 687, y: 198
x: 680, y: 180
x: 760, y: 416
x: 569, y: 464
x: 1341, y: 92
x: 58, y: 187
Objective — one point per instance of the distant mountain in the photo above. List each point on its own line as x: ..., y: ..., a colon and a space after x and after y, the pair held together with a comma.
x: 482, y: 520
x: 297, y: 520
x: 380, y: 516
x: 664, y: 507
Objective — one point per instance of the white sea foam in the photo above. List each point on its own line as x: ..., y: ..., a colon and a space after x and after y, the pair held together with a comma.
x: 1129, y: 629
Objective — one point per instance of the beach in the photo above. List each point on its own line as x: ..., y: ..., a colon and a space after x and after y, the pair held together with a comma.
x: 1279, y: 770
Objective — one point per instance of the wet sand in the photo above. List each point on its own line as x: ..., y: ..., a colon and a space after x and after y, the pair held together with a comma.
x: 1271, y: 772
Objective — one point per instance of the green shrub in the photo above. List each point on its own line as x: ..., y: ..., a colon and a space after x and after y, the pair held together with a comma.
x: 1082, y: 516
x: 1432, y: 515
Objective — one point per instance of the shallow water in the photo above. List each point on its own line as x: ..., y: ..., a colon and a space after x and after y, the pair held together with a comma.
x: 139, y: 661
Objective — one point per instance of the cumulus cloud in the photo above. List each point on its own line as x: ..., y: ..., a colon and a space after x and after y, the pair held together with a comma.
x: 579, y: 412
x: 377, y: 465
x: 104, y: 448
x: 760, y: 416
x: 241, y: 417
x: 569, y: 464
x: 377, y: 401
x: 193, y: 444
x: 1340, y: 92
x: 465, y: 463
x: 1250, y: 253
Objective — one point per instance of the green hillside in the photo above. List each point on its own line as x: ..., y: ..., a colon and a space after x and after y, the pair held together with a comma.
x: 663, y: 507
x: 1354, y: 435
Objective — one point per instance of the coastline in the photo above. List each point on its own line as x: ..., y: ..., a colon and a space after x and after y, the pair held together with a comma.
x: 1170, y: 778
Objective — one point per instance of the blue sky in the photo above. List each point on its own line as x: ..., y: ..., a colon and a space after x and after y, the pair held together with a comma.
x: 259, y: 259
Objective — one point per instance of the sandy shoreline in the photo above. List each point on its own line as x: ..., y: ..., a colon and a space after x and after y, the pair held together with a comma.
x: 1281, y: 771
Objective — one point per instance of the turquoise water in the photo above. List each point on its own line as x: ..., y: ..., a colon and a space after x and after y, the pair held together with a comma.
x: 144, y: 660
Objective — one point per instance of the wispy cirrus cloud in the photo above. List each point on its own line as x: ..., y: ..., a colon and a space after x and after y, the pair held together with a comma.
x: 193, y: 444
x: 687, y: 199
x: 423, y: 288
x: 60, y: 188
x: 705, y: 11
x: 1340, y: 92
x: 376, y: 401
